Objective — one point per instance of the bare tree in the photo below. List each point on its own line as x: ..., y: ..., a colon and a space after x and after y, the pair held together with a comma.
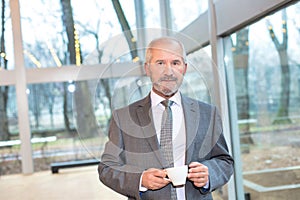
x: 126, y: 29
x: 4, y: 131
x: 241, y: 64
x: 283, y: 110
x: 104, y: 82
x: 85, y: 117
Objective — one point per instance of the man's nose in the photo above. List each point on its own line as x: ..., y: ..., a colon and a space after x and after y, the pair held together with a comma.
x: 168, y: 68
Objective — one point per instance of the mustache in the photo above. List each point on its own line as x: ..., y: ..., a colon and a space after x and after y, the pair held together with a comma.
x: 168, y: 78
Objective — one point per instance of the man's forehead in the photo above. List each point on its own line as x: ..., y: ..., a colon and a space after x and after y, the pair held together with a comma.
x: 167, y: 58
x: 166, y: 53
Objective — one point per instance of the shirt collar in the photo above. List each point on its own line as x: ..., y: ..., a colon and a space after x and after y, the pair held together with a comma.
x: 156, y: 99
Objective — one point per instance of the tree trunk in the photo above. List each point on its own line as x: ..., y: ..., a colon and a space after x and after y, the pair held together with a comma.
x: 85, y: 117
x: 65, y: 107
x: 4, y: 130
x: 283, y: 111
x: 282, y: 116
x: 241, y: 66
x: 87, y: 126
x: 126, y: 29
x: 36, y: 104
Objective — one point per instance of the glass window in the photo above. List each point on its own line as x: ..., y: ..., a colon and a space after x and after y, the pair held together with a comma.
x: 6, y: 53
x: 100, y: 30
x: 69, y: 120
x: 59, y: 33
x: 184, y: 12
x: 152, y: 20
x: 152, y: 15
x: 179, y: 10
x: 9, y: 132
x: 199, y: 74
x: 42, y: 33
x: 66, y: 120
x: 265, y: 57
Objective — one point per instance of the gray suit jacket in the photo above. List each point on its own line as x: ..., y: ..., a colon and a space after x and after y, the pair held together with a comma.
x: 133, y: 147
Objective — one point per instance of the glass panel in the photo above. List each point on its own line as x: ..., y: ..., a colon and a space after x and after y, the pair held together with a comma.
x: 265, y: 57
x: 42, y: 31
x: 129, y: 11
x: 152, y: 20
x: 114, y: 50
x: 47, y: 43
x: 152, y: 15
x: 6, y: 52
x: 51, y: 123
x: 180, y: 8
x: 199, y: 74
x: 54, y: 109
x: 69, y: 120
x: 100, y: 30
x: 9, y: 132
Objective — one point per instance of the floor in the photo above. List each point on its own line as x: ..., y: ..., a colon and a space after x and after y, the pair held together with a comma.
x: 74, y: 183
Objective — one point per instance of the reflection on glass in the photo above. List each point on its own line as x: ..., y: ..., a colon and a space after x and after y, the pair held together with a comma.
x: 54, y: 124
x: 199, y: 74
x: 9, y: 132
x: 69, y: 120
x: 152, y: 15
x: 265, y: 57
x: 186, y: 11
x: 42, y: 29
x: 53, y: 38
x: 6, y: 54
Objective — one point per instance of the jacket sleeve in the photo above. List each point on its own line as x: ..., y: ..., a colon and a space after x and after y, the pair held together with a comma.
x: 218, y: 161
x: 113, y: 170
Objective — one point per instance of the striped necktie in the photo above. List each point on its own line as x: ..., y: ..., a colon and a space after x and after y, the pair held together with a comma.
x: 166, y: 144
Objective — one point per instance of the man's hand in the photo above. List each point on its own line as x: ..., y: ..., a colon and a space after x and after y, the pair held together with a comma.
x: 198, y: 174
x: 154, y: 179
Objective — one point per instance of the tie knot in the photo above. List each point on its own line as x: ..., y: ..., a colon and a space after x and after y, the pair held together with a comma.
x: 167, y: 103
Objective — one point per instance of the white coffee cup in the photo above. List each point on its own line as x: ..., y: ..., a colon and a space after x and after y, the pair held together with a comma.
x: 177, y: 174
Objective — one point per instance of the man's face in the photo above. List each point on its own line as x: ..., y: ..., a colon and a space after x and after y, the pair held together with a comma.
x: 166, y: 69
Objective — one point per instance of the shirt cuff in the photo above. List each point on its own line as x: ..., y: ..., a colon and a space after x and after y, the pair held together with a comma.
x: 207, y: 185
x: 205, y: 189
x: 141, y: 188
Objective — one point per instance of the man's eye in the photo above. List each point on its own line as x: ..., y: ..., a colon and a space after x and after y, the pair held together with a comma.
x: 176, y: 63
x: 159, y: 63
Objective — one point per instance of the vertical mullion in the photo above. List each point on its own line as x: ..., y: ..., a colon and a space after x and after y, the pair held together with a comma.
x: 21, y: 96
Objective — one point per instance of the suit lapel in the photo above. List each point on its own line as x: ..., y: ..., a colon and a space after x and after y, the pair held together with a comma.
x: 191, y: 114
x: 145, y: 118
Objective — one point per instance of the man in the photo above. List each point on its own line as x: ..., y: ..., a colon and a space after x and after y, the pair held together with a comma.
x: 135, y: 159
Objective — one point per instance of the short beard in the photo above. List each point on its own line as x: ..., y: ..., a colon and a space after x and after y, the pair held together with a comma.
x: 167, y: 92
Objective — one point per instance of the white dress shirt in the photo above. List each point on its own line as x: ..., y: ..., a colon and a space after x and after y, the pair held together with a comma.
x: 179, y: 138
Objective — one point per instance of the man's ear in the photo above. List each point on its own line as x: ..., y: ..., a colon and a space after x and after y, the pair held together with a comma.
x: 185, y: 68
x: 146, y: 68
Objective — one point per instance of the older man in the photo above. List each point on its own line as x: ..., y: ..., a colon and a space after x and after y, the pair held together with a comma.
x: 149, y: 136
